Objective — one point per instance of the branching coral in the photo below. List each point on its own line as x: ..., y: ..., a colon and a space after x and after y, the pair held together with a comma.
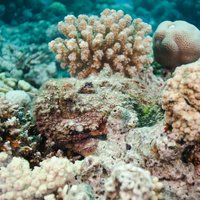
x: 130, y: 182
x: 18, y: 181
x: 93, y: 43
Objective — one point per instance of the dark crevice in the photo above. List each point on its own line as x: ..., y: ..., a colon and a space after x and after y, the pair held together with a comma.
x: 188, y: 103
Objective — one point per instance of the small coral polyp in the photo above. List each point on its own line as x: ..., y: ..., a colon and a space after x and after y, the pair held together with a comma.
x: 93, y: 43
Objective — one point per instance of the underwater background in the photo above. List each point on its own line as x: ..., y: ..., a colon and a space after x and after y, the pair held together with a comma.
x: 99, y: 99
x: 28, y: 26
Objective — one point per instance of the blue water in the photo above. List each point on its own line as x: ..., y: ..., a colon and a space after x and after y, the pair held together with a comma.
x: 152, y: 11
x: 28, y: 23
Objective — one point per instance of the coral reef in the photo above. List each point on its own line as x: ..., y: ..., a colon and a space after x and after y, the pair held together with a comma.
x: 93, y: 43
x: 79, y: 191
x: 57, y: 8
x: 78, y: 6
x: 176, y: 43
x: 103, y: 4
x: 20, y: 11
x: 105, y: 136
x: 94, y: 174
x: 151, y: 11
x: 181, y: 103
x: 99, y: 115
x: 175, y: 161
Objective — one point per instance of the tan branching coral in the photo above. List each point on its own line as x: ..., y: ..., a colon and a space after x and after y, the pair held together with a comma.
x: 93, y: 43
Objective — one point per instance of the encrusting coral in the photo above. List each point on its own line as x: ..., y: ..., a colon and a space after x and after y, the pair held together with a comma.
x: 93, y: 43
x: 181, y: 103
x: 176, y: 43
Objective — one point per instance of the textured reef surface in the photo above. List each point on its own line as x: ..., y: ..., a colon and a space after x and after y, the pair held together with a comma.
x: 119, y: 120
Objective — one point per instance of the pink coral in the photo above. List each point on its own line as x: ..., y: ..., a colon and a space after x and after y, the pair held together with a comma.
x: 93, y: 43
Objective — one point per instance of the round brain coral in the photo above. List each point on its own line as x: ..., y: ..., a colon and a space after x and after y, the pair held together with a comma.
x: 176, y: 43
